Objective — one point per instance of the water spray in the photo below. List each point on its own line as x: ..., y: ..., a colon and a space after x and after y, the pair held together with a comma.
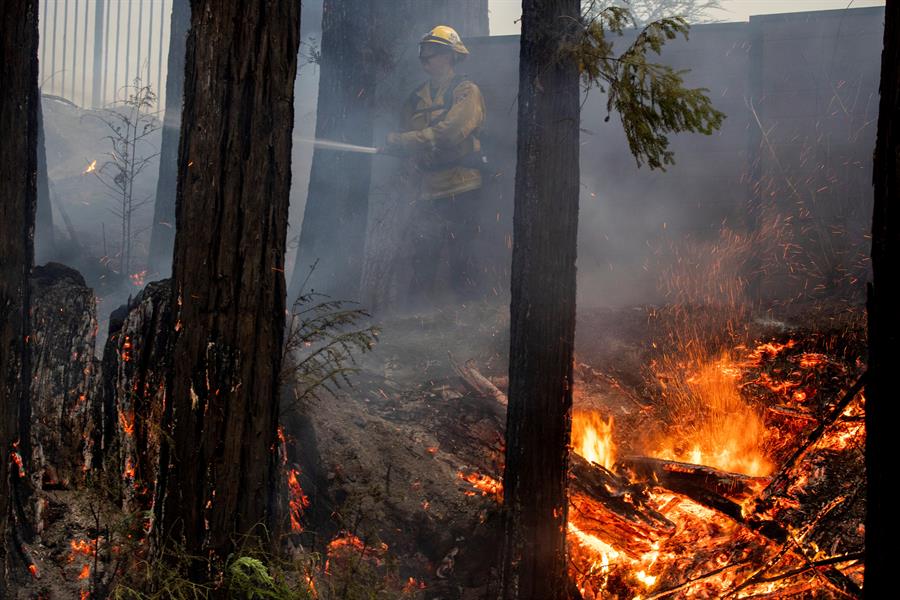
x: 340, y: 146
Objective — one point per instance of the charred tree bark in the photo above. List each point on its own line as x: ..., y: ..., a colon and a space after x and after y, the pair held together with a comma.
x: 542, y: 308
x: 136, y: 359
x: 162, y: 236
x: 228, y: 281
x: 333, y: 234
x: 18, y: 196
x: 884, y: 320
x: 64, y: 325
x: 103, y: 406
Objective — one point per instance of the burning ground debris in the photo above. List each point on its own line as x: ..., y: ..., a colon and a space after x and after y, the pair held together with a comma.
x: 657, y: 508
x: 723, y: 439
x: 663, y: 502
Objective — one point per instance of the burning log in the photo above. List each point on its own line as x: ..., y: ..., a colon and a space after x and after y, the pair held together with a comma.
x: 711, y: 487
x: 603, y: 501
x: 718, y: 490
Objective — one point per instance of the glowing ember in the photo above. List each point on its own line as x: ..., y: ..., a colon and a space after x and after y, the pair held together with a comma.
x: 487, y: 485
x: 127, y: 423
x: 137, y: 279
x: 348, y: 541
x: 83, y: 547
x: 311, y: 586
x: 810, y: 360
x: 17, y: 460
x: 32, y: 568
x: 413, y: 585
x: 298, y: 501
x: 282, y: 440
x: 90, y: 168
x: 592, y: 437
x: 767, y: 350
x: 346, y: 550
x: 126, y: 349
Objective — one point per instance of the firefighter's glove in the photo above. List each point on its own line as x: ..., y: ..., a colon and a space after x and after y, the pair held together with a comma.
x: 392, y: 144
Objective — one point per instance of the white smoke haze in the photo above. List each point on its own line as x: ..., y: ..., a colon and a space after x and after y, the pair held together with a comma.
x: 629, y: 218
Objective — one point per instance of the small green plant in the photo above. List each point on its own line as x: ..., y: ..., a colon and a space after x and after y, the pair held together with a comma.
x: 247, y: 575
x: 651, y: 99
x: 323, y: 337
x: 250, y: 579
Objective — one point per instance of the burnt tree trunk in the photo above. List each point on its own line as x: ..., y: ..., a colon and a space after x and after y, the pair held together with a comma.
x: 18, y: 195
x: 228, y: 281
x: 64, y: 326
x: 542, y: 307
x: 104, y: 435
x: 884, y: 320
x: 162, y: 236
x: 136, y: 359
x: 334, y: 220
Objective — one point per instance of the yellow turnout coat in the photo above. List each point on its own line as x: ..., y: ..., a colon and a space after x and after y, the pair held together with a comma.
x: 443, y: 139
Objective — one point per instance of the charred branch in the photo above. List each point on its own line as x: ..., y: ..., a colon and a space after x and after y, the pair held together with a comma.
x: 780, y: 479
x: 481, y: 386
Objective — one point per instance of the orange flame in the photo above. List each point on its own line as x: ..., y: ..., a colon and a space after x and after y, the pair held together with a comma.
x: 715, y: 426
x: 90, y: 168
x: 345, y: 540
x: 84, y: 547
x: 592, y: 437
x: 298, y: 501
x: 85, y: 572
x: 32, y: 568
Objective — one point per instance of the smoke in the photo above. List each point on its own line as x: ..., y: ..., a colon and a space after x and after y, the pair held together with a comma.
x: 797, y: 163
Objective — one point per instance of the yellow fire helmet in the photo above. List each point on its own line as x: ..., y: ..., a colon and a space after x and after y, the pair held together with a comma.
x: 443, y: 35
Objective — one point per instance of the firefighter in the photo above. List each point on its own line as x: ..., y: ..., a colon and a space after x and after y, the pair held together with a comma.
x: 441, y: 121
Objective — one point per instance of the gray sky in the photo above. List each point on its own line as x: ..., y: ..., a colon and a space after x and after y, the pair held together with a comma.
x: 504, y: 13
